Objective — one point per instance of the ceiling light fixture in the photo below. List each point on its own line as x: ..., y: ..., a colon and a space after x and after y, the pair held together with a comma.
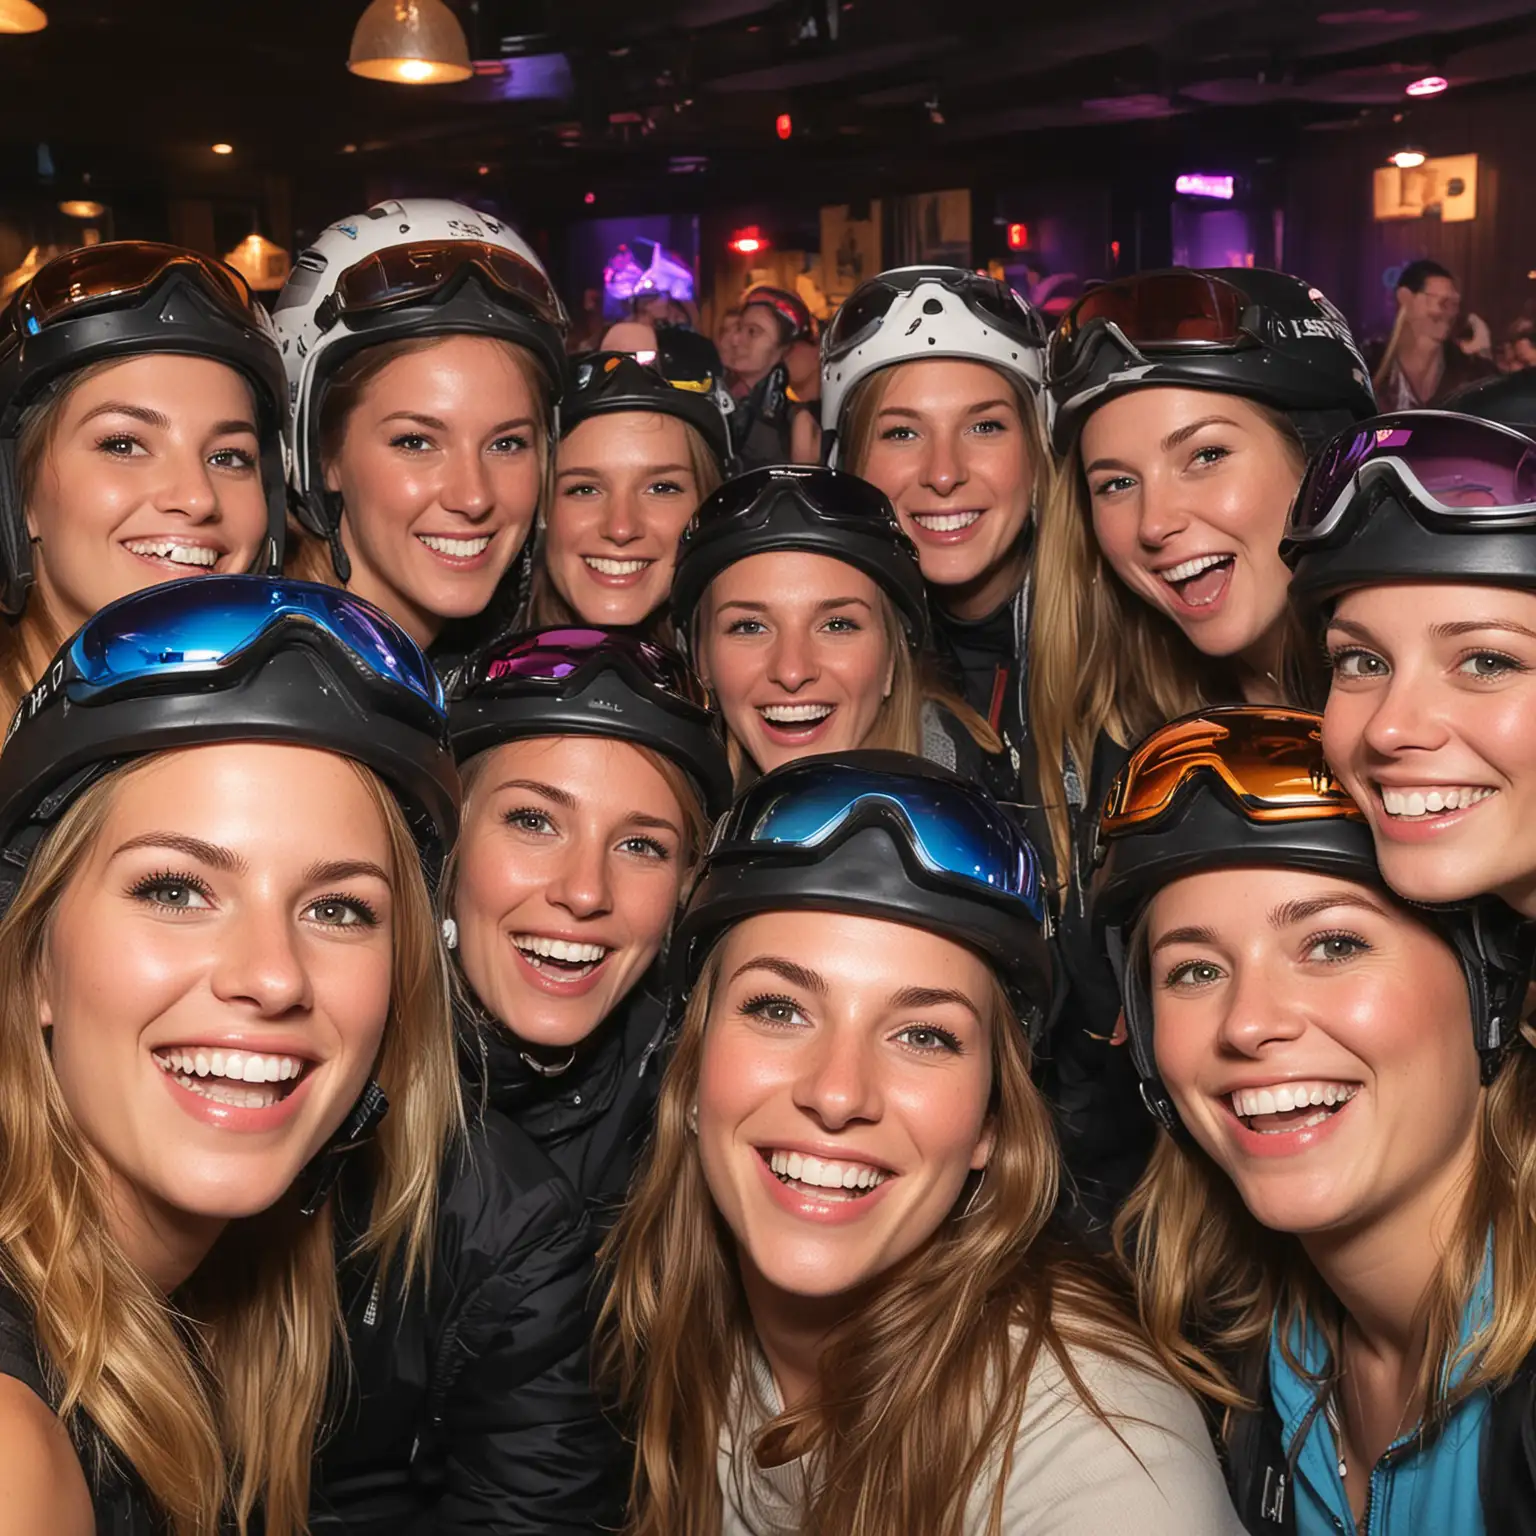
x: 409, y: 42
x: 1406, y: 158
x: 82, y: 208
x: 1430, y: 85
x: 17, y: 16
x: 223, y: 149
x: 783, y: 125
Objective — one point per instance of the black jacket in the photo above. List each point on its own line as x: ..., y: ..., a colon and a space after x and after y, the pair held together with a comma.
x: 1106, y: 1134
x: 469, y: 1406
x: 593, y: 1119
x: 1261, y: 1476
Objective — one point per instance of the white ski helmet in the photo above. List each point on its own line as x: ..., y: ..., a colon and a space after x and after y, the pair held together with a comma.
x: 910, y: 313
x: 420, y: 266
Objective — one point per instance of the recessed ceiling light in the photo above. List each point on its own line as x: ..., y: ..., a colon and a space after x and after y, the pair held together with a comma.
x: 223, y: 149
x: 1430, y: 85
x: 1407, y: 158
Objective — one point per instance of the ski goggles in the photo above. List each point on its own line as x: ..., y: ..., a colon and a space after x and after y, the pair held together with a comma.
x: 593, y: 374
x: 954, y: 832
x: 994, y: 303
x: 208, y: 627
x: 406, y: 274
x: 1269, y: 761
x: 564, y: 659
x: 1458, y: 473
x: 117, y: 270
x: 1184, y: 311
x: 843, y: 501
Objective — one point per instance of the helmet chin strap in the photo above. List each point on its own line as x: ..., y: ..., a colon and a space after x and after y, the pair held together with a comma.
x: 341, y: 562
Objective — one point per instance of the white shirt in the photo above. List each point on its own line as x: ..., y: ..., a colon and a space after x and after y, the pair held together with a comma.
x: 1071, y: 1476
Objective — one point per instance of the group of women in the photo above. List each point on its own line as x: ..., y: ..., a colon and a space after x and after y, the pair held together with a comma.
x: 547, y: 987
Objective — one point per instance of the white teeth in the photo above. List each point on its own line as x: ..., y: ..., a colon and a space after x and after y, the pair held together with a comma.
x: 179, y: 554
x: 795, y: 714
x: 606, y: 567
x: 825, y: 1175
x: 945, y: 522
x: 460, y: 549
x: 567, y: 950
x: 1283, y: 1097
x: 1193, y: 567
x: 235, y: 1066
x: 1430, y: 802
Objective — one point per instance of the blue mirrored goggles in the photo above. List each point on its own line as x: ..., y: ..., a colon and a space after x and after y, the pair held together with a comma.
x: 954, y: 832
x: 205, y: 626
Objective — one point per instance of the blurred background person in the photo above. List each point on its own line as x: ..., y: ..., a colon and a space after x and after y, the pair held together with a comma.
x: 1419, y: 364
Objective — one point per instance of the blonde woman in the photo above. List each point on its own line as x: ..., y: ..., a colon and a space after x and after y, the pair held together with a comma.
x: 641, y: 445
x: 834, y: 1307
x: 141, y: 408
x: 1334, y: 1240
x: 803, y: 605
x: 424, y: 349
x: 218, y: 967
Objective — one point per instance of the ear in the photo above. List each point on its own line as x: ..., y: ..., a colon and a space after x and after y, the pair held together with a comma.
x: 44, y: 1014
x: 890, y: 670
x: 983, y: 1153
x: 332, y: 477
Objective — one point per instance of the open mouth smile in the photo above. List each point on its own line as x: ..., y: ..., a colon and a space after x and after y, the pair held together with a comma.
x: 824, y: 1178
x: 457, y: 550
x: 1289, y: 1107
x: 240, y: 1079
x: 567, y: 959
x: 186, y: 557
x: 1200, y: 581
x: 1431, y: 800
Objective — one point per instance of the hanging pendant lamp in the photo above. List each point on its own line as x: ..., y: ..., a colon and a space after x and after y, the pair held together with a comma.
x: 22, y: 16
x: 409, y: 42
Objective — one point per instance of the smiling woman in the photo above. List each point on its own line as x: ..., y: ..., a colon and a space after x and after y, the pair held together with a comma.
x: 1333, y: 1239
x: 143, y: 395
x: 850, y: 1181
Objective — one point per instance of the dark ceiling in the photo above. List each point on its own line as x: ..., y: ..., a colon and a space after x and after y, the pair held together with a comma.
x: 624, y: 94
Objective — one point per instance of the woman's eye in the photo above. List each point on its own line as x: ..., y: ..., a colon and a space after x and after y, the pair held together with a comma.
x: 232, y: 458
x: 1355, y: 663
x: 528, y: 820
x: 664, y: 488
x: 1212, y: 453
x: 121, y: 445
x: 898, y: 435
x: 989, y: 428
x: 1194, y: 973
x: 411, y: 442
x: 585, y: 488
x: 1331, y: 947
x: 774, y: 1010
x: 647, y: 848
x: 513, y: 442
x: 929, y: 1039
x: 1114, y: 485
x: 841, y: 624
x: 176, y: 892
x: 344, y: 912
x: 1489, y: 664
x: 746, y: 627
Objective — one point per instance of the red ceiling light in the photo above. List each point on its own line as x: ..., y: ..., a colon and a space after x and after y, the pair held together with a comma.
x: 1018, y: 237
x: 748, y: 241
x: 783, y: 125
x: 1430, y: 85
x: 590, y: 198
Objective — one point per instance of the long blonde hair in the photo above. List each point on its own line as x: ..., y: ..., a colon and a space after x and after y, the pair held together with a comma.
x: 1212, y: 1281
x: 547, y: 606
x: 920, y: 1391
x: 213, y: 1400
x: 1104, y: 661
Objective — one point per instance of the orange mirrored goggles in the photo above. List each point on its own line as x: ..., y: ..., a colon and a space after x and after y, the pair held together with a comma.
x: 1269, y: 761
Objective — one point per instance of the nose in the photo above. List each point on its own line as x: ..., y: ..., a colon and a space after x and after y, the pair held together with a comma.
x: 466, y: 485
x: 1159, y: 515
x: 621, y: 522
x: 188, y: 488
x: 944, y: 466
x: 792, y: 660
x: 260, y: 964
x: 1404, y: 719
x: 1261, y: 1010
x: 838, y: 1082
x: 582, y: 885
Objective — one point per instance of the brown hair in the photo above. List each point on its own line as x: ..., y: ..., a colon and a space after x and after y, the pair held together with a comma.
x: 548, y: 606
x: 920, y: 1390
x: 310, y: 557
x: 191, y: 1408
x: 1102, y: 660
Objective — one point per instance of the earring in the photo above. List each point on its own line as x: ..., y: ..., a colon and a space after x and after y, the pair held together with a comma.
x: 970, y: 1205
x: 450, y: 933
x: 692, y: 1118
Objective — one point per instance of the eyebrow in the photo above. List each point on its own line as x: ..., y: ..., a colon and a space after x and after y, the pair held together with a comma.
x: 1472, y: 626
x: 211, y: 854
x: 796, y: 975
x: 970, y: 410
x: 1178, y: 436
x: 336, y: 870
x: 1193, y: 934
x: 1289, y: 912
x: 144, y: 413
x: 933, y: 997
x: 561, y: 797
x: 439, y: 425
x: 649, y: 469
x: 825, y: 603
x: 642, y: 819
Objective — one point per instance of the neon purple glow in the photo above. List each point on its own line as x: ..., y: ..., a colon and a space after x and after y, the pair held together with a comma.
x: 667, y: 273
x: 1430, y: 85
x: 1201, y: 184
